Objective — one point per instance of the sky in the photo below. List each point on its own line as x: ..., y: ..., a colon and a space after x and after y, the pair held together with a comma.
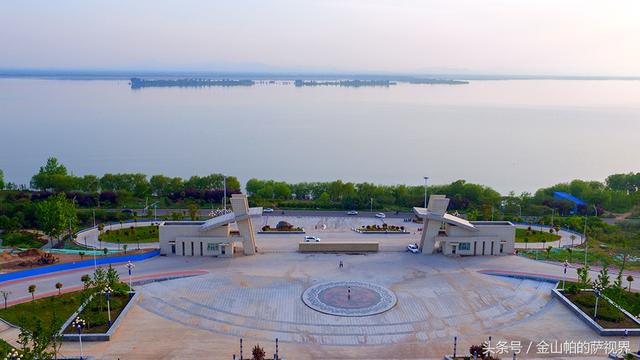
x: 535, y: 37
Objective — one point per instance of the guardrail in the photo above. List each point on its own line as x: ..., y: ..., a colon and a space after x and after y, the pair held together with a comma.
x: 77, y: 265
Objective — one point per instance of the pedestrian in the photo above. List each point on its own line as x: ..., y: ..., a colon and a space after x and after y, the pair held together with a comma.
x: 340, y: 264
x: 349, y: 293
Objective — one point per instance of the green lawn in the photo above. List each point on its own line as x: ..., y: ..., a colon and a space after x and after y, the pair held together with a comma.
x: 596, y: 255
x: 535, y: 236
x: 128, y: 235
x: 61, y: 307
x: 27, y: 314
x: 4, y: 348
x: 95, y: 314
x: 22, y: 239
x: 609, y: 317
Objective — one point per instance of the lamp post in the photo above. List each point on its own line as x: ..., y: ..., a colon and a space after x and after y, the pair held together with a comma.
x: 597, y: 292
x: 241, y: 349
x: 79, y: 323
x: 276, y: 357
x: 14, y: 355
x: 426, y: 178
x: 224, y: 199
x: 455, y: 345
x: 130, y: 267
x: 107, y: 294
x: 564, y: 275
x: 371, y: 204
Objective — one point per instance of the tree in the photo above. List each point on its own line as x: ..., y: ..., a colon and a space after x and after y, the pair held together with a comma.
x: 81, y: 253
x: 1, y: 180
x: 32, y: 291
x: 526, y: 242
x: 86, y: 281
x: 603, y: 280
x: 548, y: 250
x: 55, y: 214
x: 193, y: 211
x: 5, y: 294
x: 258, y: 353
x: 583, y: 275
x: 59, y: 287
x: 53, y: 176
x: 573, y: 238
x: 629, y: 280
x: 124, y: 247
x: 570, y: 251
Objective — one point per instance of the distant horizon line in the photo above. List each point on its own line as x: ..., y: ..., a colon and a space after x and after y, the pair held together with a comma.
x: 101, y: 73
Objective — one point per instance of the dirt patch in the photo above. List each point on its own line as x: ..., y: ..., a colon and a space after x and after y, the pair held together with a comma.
x: 29, y: 259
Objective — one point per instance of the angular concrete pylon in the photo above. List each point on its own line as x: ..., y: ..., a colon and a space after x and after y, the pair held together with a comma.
x: 437, y: 206
x: 240, y: 207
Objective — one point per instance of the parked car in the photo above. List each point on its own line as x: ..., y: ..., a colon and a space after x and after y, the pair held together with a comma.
x: 267, y: 210
x: 381, y: 215
x: 352, y: 212
x: 126, y: 211
x: 413, y: 248
x: 311, y: 239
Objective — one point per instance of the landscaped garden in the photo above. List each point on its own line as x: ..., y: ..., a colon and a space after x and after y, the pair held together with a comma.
x: 282, y: 226
x: 384, y: 228
x: 535, y: 236
x: 131, y: 235
x: 583, y: 295
x: 22, y: 239
x: 53, y: 311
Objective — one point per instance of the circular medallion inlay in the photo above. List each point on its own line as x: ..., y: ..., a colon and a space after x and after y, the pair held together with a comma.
x: 349, y: 298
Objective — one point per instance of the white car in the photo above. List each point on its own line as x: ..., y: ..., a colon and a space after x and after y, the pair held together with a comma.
x: 311, y: 239
x: 352, y: 212
x: 267, y: 210
x: 381, y: 215
x: 413, y: 248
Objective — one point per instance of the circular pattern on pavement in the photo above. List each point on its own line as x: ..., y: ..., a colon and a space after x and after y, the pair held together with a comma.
x: 349, y: 298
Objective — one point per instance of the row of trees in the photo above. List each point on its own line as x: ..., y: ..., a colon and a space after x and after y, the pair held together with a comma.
x: 350, y: 195
x: 54, y: 177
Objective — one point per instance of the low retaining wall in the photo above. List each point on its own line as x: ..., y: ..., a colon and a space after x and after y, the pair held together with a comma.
x: 360, y: 231
x: 306, y: 247
x: 97, y: 337
x: 77, y: 265
x: 594, y: 325
x: 282, y: 232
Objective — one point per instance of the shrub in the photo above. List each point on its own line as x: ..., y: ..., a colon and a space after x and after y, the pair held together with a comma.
x: 258, y: 353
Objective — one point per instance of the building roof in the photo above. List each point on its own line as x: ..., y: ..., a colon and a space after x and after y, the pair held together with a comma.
x: 446, y: 218
x: 218, y: 221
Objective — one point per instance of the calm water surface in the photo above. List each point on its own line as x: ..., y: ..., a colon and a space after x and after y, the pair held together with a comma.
x: 512, y: 135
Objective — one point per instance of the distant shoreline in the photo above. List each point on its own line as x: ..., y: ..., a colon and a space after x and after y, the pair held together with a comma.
x: 293, y: 76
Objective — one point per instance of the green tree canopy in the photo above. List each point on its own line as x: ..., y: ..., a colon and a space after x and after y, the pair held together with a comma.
x: 56, y: 214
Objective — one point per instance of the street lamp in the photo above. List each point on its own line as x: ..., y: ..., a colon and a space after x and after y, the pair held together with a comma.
x: 79, y: 323
x: 14, y: 355
x: 224, y: 199
x: 564, y: 276
x: 107, y: 294
x: 426, y: 178
x: 597, y: 292
x: 130, y: 267
x: 455, y: 345
x: 371, y: 204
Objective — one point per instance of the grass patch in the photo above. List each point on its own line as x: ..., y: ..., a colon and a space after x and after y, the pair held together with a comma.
x: 596, y: 255
x: 95, y: 314
x: 535, y: 236
x: 4, y: 348
x: 22, y: 239
x: 55, y: 310
x: 52, y: 310
x: 609, y: 317
x: 131, y: 235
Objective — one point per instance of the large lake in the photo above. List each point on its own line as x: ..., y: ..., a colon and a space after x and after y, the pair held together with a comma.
x: 512, y: 135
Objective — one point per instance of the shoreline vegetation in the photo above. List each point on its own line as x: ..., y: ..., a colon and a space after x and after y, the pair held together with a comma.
x: 139, y: 83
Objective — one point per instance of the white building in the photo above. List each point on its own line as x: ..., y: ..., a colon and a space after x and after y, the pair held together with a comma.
x: 218, y: 236
x: 453, y: 235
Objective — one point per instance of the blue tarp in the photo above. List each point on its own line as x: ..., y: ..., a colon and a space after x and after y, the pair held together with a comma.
x: 564, y: 196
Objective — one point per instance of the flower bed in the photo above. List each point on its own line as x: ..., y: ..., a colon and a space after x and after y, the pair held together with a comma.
x: 384, y: 229
x: 282, y: 227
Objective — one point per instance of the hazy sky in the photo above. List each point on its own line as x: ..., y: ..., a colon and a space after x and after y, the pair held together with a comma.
x: 570, y: 37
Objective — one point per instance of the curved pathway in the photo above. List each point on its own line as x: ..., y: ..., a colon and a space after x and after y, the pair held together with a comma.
x: 565, y: 238
x: 89, y: 237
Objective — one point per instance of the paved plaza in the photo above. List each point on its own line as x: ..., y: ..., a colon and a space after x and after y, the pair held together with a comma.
x: 258, y: 298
